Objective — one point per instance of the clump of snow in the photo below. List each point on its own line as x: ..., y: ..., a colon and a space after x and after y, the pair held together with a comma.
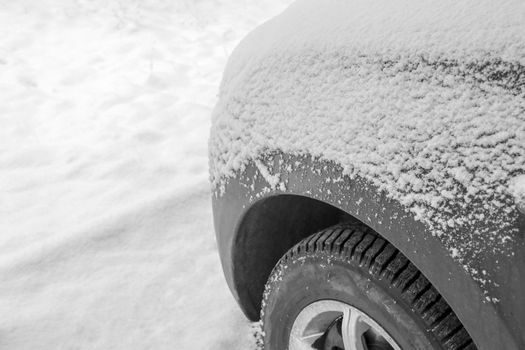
x: 517, y: 190
x: 424, y: 99
x: 273, y: 180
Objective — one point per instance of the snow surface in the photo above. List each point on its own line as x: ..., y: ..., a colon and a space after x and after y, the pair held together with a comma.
x: 106, y: 236
x: 424, y: 99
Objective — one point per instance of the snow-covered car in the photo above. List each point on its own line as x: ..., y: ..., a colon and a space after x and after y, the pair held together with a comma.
x: 367, y: 162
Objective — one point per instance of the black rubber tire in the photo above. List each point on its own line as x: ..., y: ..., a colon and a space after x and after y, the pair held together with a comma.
x: 352, y: 264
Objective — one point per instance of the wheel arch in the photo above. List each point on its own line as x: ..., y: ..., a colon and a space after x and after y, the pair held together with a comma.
x: 257, y: 222
x: 269, y: 228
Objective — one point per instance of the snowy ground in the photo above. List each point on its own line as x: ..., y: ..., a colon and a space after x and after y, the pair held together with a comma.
x: 106, y: 238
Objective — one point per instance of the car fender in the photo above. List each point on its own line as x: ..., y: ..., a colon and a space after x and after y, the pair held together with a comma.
x: 493, y: 314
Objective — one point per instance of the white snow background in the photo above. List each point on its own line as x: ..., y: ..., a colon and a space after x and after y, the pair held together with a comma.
x: 106, y: 234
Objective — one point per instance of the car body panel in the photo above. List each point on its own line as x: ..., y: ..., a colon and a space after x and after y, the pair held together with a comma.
x: 493, y: 313
x: 407, y: 116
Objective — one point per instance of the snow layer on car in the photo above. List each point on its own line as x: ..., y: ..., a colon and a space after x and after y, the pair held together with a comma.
x: 424, y: 99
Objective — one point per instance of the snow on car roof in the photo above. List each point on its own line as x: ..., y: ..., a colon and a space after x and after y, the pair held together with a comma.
x: 425, y: 99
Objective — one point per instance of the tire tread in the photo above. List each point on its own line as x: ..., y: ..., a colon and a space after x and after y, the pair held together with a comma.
x: 383, y: 261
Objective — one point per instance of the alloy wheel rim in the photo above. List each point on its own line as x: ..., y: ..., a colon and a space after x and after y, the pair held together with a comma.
x: 334, y: 325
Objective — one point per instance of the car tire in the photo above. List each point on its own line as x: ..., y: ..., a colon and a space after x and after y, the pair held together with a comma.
x: 350, y: 267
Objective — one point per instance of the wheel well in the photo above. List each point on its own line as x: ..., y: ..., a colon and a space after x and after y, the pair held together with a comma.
x: 268, y: 229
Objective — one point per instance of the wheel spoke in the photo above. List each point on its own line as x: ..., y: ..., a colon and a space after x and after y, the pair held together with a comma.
x: 303, y: 342
x: 353, y: 328
x: 308, y: 340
